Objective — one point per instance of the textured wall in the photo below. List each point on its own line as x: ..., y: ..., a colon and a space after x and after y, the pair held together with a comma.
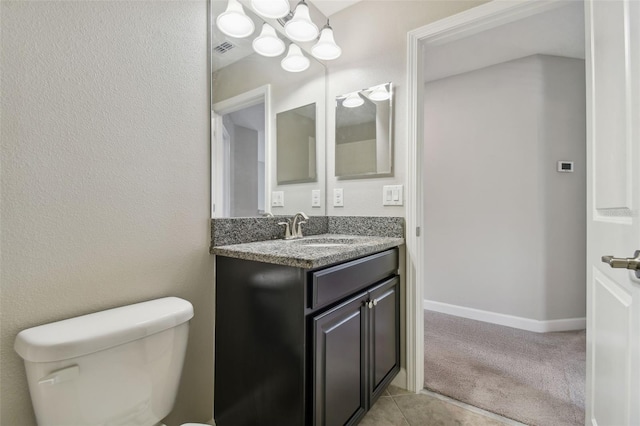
x: 505, y: 232
x: 105, y: 174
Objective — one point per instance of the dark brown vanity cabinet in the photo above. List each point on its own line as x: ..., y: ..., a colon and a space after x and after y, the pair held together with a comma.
x: 356, y: 354
x: 300, y: 346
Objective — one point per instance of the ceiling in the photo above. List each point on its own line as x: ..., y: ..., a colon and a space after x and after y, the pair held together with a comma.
x: 329, y: 7
x: 558, y: 32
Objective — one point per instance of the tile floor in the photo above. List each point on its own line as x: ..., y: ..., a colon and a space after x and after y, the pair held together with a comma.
x: 398, y: 407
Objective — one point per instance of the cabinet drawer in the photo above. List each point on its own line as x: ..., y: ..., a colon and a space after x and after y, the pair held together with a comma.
x: 330, y: 284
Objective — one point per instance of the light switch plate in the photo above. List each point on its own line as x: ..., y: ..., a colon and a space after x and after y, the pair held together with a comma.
x: 315, y: 198
x: 277, y: 199
x: 338, y: 199
x: 392, y: 195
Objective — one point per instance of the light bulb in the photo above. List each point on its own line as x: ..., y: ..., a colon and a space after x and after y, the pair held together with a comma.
x: 326, y: 48
x: 379, y: 93
x: 234, y: 22
x: 300, y: 27
x: 268, y: 43
x: 353, y: 100
x: 295, y: 61
x: 273, y: 9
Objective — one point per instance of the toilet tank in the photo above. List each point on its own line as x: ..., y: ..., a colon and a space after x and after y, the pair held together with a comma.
x: 121, y: 366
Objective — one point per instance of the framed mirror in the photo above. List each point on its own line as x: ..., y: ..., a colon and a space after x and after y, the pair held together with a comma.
x: 296, y: 145
x: 364, y: 133
x: 244, y: 86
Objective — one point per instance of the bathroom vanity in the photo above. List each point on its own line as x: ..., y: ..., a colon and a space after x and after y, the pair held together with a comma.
x: 307, y: 332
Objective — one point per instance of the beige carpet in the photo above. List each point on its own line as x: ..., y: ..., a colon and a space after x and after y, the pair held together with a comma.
x: 534, y: 378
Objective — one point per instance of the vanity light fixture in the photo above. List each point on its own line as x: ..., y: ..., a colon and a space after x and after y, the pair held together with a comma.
x: 326, y: 48
x: 273, y: 9
x: 267, y: 43
x: 300, y: 27
x: 234, y: 22
x: 295, y: 61
x: 379, y: 93
x: 353, y: 100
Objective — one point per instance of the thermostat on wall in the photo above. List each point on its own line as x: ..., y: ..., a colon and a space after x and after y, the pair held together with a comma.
x: 565, y: 166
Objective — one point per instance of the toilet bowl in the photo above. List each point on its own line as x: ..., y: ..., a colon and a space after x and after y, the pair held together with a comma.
x: 116, y: 367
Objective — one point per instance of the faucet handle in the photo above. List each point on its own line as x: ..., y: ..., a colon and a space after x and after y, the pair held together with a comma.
x: 287, y: 230
x: 298, y: 230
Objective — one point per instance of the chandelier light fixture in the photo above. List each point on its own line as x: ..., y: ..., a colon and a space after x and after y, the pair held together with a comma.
x: 267, y: 43
x: 234, y: 22
x: 300, y: 27
x: 326, y: 48
x: 295, y: 61
x: 273, y: 9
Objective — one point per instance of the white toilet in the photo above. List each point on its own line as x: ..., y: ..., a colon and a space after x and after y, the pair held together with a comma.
x: 116, y: 367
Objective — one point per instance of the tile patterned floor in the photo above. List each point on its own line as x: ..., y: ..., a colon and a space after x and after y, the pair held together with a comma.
x: 398, y: 407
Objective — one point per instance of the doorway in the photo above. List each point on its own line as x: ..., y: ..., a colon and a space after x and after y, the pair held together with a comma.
x: 239, y: 180
x: 490, y: 202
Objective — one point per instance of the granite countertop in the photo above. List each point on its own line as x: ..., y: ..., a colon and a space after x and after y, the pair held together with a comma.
x: 309, y: 252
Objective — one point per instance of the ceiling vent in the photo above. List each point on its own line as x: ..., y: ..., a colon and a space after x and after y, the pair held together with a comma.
x: 223, y: 47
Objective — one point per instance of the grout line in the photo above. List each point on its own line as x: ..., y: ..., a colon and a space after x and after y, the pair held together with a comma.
x: 472, y: 408
x: 399, y: 409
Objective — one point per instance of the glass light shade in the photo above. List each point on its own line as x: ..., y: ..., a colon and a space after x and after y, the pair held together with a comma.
x: 271, y: 8
x: 353, y: 100
x: 326, y: 48
x: 300, y: 27
x: 267, y: 43
x: 380, y: 93
x: 234, y: 22
x: 295, y: 61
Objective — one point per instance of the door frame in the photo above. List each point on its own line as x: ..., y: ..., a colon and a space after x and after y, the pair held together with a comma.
x: 253, y: 97
x: 469, y: 22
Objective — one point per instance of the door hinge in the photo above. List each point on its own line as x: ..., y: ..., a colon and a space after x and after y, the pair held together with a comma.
x: 417, y: 231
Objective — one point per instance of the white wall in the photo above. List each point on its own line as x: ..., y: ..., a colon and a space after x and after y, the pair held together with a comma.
x: 504, y: 231
x: 105, y: 174
x: 373, y: 37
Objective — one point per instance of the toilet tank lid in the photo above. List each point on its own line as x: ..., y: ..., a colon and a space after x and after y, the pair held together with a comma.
x: 101, y: 330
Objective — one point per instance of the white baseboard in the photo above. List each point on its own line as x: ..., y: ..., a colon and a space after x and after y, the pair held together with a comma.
x: 567, y: 324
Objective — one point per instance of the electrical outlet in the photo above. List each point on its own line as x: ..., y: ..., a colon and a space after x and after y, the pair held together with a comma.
x: 315, y: 198
x: 277, y: 199
x: 338, y: 200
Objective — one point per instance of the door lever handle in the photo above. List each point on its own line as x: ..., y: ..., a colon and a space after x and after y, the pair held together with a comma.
x: 632, y: 263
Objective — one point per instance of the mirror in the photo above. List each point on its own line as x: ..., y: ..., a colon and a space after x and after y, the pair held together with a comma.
x: 296, y: 145
x: 364, y: 130
x: 244, y: 179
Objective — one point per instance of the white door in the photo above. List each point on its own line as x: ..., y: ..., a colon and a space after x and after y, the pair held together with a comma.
x: 613, y: 212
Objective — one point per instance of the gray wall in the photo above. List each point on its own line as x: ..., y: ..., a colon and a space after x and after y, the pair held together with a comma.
x: 105, y: 174
x: 504, y: 231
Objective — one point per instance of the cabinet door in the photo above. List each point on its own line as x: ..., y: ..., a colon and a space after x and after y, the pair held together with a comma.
x: 339, y: 364
x: 384, y: 317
